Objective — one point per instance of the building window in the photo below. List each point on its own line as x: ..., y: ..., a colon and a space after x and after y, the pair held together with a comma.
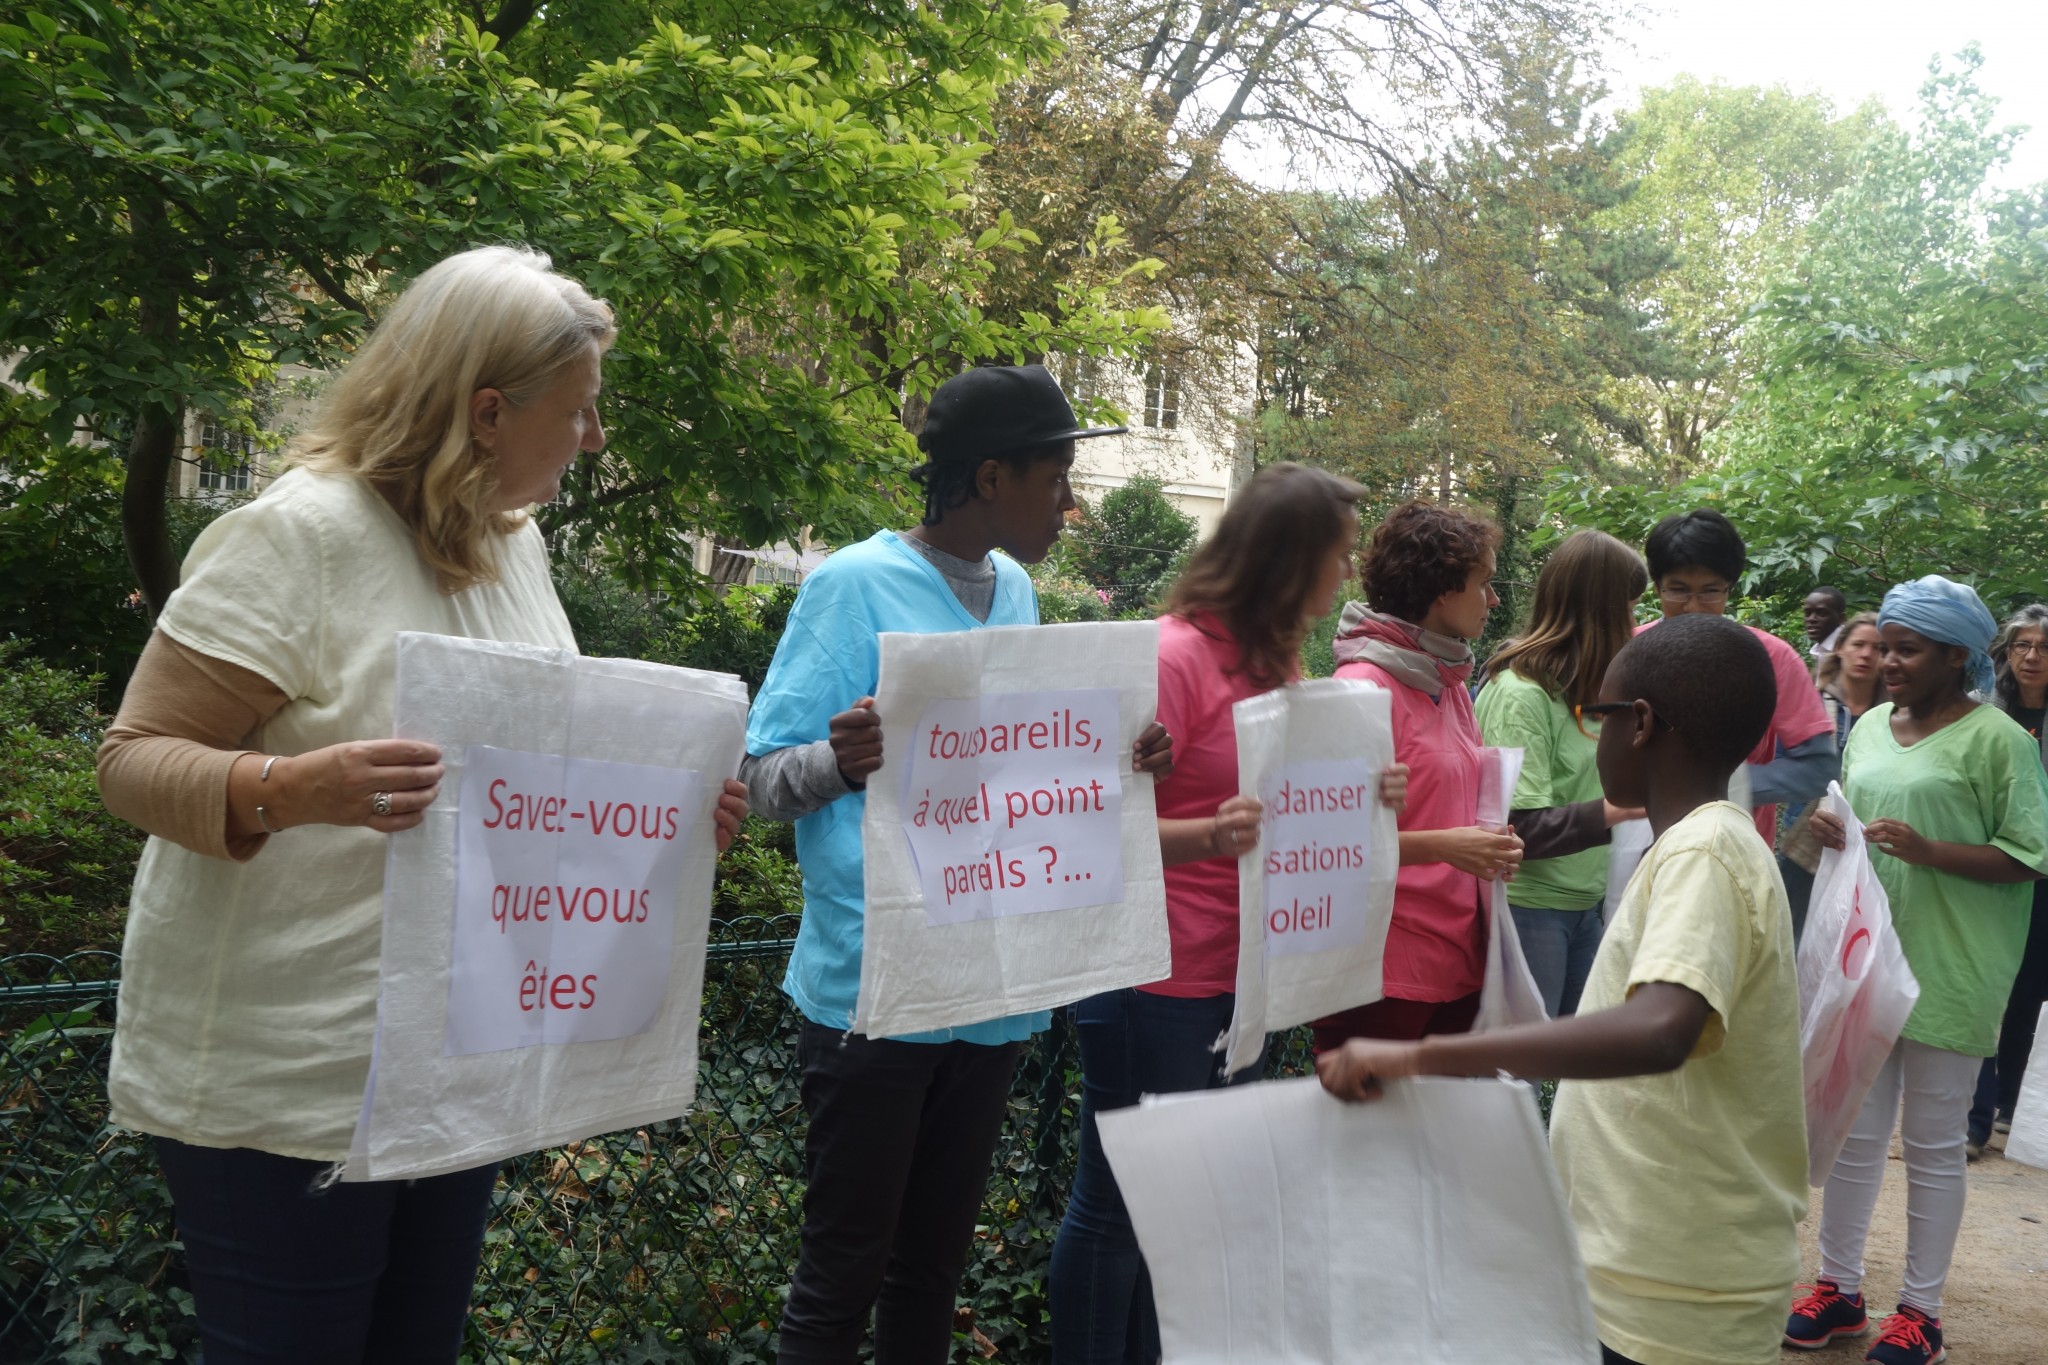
x: 1162, y: 395
x: 765, y: 573
x: 1084, y: 378
x: 226, y: 470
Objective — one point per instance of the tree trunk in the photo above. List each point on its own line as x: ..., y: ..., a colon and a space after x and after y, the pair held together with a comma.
x: 145, y: 529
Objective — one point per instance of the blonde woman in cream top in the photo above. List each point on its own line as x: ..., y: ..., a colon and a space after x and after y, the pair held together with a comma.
x: 251, y: 746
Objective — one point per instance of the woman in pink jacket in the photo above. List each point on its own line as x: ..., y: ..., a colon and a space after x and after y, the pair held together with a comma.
x: 1428, y: 580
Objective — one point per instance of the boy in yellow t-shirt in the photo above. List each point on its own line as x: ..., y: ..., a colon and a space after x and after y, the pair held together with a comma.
x: 1680, y: 1132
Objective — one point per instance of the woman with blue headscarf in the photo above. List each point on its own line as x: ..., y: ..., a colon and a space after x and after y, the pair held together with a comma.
x: 1952, y: 800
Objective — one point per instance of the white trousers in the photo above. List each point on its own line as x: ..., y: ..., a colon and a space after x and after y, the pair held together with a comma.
x: 1937, y: 1086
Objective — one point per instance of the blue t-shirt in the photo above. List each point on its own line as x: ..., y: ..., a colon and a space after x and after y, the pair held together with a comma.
x: 829, y: 659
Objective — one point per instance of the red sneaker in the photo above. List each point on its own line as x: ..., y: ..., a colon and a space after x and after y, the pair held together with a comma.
x: 1909, y: 1337
x: 1823, y: 1315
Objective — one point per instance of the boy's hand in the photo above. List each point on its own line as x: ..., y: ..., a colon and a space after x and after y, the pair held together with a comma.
x: 1827, y: 827
x: 1153, y: 751
x: 1486, y: 851
x: 1394, y: 786
x: 857, y: 742
x: 1899, y: 839
x: 1355, y: 1071
x: 729, y: 812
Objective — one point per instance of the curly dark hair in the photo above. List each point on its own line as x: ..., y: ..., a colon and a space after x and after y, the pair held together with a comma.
x: 1419, y: 553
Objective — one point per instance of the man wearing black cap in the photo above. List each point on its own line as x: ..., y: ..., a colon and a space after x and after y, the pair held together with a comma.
x: 901, y: 1129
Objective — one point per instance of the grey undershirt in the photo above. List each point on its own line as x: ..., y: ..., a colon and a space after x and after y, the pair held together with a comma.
x: 788, y: 784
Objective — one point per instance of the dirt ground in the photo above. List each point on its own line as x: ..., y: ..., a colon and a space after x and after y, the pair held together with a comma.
x: 1996, y: 1307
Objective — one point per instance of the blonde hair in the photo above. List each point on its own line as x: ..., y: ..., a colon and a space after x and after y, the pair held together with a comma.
x: 496, y: 317
x: 1828, y: 677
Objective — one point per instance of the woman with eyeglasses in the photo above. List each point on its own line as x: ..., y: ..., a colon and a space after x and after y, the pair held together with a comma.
x: 1696, y: 559
x: 1542, y: 698
x: 2021, y: 657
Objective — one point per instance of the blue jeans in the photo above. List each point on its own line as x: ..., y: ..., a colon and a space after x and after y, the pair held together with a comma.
x: 1132, y: 1043
x: 286, y: 1273
x: 1560, y: 946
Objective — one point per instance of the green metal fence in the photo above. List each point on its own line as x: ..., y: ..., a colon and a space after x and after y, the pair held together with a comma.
x: 671, y: 1242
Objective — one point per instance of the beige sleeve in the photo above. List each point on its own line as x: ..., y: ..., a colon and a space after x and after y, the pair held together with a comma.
x: 184, y: 721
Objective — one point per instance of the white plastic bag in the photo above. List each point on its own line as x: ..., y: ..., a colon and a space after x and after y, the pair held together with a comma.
x: 1508, y: 994
x: 1039, y: 881
x: 437, y: 1099
x: 1855, y: 990
x: 2028, y: 1140
x: 1282, y: 1226
x: 1316, y: 896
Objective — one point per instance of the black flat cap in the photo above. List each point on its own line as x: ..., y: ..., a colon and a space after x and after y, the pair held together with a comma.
x: 997, y: 409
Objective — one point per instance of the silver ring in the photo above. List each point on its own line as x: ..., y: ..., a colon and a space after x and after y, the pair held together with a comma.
x: 380, y: 804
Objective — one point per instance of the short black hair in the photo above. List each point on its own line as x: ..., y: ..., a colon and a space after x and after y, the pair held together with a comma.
x: 1709, y: 678
x: 1701, y: 536
x: 949, y: 484
x: 1833, y: 595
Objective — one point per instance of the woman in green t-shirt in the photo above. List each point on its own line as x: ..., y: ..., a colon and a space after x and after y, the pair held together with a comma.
x: 1952, y: 800
x: 1583, y: 613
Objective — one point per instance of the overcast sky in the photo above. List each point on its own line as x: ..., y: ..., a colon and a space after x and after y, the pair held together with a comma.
x: 1850, y: 49
x: 1845, y: 50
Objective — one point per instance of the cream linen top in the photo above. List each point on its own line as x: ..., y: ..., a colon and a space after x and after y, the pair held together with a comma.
x: 249, y: 990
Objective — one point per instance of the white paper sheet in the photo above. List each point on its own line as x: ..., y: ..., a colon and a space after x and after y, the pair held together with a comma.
x: 431, y: 1107
x: 1315, y: 898
x: 1281, y: 1226
x: 1054, y: 901
x: 2028, y: 1140
x: 1508, y: 994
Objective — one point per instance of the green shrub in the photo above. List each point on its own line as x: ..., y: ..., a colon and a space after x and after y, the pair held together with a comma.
x: 65, y: 863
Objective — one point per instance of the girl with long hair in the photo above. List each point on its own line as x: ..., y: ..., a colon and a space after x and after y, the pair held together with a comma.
x: 1582, y: 615
x: 1234, y: 626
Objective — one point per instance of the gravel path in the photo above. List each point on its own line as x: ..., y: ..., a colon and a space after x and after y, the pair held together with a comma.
x: 1997, y: 1300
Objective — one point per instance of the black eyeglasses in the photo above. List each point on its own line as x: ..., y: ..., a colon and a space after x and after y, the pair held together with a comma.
x: 1599, y: 711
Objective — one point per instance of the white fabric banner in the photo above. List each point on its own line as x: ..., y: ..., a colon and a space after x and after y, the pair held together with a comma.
x: 1315, y: 898
x: 1855, y: 990
x: 2028, y: 1140
x: 544, y: 928
x: 1508, y: 994
x: 1012, y: 856
x: 1282, y: 1226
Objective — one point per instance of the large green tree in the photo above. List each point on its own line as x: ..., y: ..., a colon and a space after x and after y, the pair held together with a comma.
x: 1727, y: 178
x: 1895, y: 423
x: 775, y: 202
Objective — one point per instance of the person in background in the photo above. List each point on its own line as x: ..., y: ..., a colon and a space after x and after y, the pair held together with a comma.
x: 1951, y: 797
x: 1696, y: 559
x: 253, y: 746
x: 1679, y: 1129
x: 1823, y: 611
x: 1850, y: 684
x: 902, y: 1130
x: 1581, y: 617
x: 1233, y: 628
x: 2021, y: 657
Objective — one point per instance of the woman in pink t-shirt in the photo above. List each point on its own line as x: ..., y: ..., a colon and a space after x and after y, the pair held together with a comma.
x: 1428, y: 579
x: 1234, y: 627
